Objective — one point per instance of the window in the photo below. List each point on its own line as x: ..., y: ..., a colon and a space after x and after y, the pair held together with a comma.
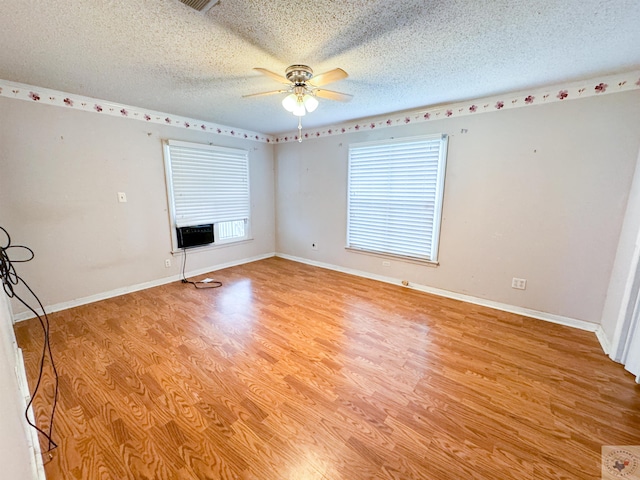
x: 395, y: 196
x: 208, y: 184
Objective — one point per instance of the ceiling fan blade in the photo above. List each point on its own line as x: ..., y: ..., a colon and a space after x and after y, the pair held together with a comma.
x: 328, y: 77
x: 272, y: 92
x: 331, y: 95
x: 273, y: 75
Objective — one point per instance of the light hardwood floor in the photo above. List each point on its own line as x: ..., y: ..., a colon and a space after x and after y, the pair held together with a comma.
x: 294, y: 372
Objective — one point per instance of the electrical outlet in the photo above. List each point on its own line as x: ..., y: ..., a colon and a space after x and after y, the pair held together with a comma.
x: 167, y: 263
x: 122, y: 197
x: 314, y: 246
x: 519, y: 283
x: 386, y: 263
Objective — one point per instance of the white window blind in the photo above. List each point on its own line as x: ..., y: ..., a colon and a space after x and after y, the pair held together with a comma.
x: 208, y: 184
x: 395, y: 196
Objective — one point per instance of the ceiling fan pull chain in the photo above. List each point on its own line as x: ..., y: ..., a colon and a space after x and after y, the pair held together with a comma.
x: 299, y: 129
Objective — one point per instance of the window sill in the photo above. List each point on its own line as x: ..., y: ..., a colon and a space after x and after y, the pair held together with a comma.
x: 391, y: 256
x: 211, y: 246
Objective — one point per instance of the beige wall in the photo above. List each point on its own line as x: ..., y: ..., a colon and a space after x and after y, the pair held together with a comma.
x: 60, y: 171
x: 537, y: 193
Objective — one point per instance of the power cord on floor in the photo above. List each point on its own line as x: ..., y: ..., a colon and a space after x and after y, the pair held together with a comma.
x: 10, y: 280
x: 201, y: 284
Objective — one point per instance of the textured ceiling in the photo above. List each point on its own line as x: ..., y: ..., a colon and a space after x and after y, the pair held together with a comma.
x: 400, y: 54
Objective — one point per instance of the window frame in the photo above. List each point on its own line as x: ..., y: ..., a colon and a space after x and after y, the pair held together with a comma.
x: 432, y: 256
x: 218, y: 242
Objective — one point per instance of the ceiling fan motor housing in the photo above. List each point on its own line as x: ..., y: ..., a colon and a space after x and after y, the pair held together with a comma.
x: 299, y: 74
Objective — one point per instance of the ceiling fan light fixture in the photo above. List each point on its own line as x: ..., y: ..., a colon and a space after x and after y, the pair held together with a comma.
x: 310, y: 102
x: 289, y: 102
x: 299, y: 110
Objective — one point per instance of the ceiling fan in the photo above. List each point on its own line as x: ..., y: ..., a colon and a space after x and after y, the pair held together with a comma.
x: 303, y: 87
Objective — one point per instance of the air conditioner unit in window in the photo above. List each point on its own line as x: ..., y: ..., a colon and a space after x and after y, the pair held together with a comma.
x: 195, y: 235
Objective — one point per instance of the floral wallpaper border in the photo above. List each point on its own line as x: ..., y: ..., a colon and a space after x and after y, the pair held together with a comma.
x: 586, y: 88
x: 47, y: 96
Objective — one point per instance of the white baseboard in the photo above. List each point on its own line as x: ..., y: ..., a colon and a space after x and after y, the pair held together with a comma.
x: 603, y: 339
x: 135, y: 288
x: 549, y: 317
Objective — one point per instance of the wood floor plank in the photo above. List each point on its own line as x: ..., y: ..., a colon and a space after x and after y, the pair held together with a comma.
x: 290, y: 371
